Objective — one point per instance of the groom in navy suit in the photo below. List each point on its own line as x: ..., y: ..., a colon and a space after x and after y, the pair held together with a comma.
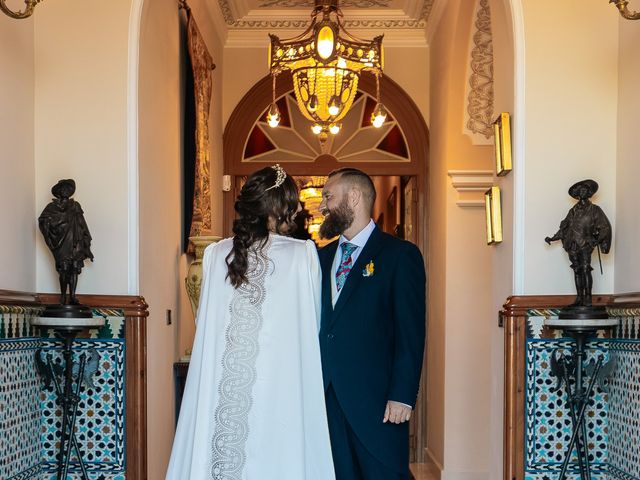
x: 372, y: 333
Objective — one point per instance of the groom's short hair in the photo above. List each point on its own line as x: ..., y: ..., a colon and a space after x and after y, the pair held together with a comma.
x: 358, y: 179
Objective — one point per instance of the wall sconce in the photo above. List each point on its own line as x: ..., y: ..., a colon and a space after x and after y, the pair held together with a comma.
x: 28, y: 10
x: 493, y: 213
x: 502, y: 143
x: 624, y: 11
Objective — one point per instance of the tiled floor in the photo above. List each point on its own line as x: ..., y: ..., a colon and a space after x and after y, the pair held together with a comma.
x: 422, y: 471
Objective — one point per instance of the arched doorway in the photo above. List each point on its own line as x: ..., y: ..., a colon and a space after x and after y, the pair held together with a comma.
x: 404, y: 115
x: 395, y: 156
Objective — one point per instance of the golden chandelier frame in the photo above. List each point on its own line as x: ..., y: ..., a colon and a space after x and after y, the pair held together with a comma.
x: 326, y: 62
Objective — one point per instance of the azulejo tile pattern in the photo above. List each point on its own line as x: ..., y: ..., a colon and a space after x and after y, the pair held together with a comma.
x: 78, y: 476
x: 29, y: 474
x: 624, y: 399
x: 19, y: 409
x: 100, y: 423
x: 29, y: 416
x: 548, y: 422
x: 613, y: 424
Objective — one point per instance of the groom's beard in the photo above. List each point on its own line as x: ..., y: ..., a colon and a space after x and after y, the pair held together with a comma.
x: 337, y: 220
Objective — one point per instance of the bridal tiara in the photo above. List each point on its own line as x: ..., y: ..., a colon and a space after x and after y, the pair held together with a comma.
x: 280, y: 178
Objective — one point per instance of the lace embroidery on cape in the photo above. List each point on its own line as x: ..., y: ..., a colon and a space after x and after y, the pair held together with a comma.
x: 239, y: 370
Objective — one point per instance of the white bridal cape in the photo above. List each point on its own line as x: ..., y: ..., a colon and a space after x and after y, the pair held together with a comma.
x: 253, y: 405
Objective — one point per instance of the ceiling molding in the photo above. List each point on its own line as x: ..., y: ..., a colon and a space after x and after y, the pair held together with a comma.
x: 237, y: 14
x: 409, y: 38
x: 471, y: 186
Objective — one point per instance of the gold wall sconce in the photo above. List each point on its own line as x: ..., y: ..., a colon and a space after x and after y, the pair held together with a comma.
x: 502, y: 142
x: 493, y: 212
x: 29, y: 6
x: 624, y: 10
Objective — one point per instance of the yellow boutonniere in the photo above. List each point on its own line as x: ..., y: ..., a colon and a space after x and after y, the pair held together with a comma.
x: 368, y: 269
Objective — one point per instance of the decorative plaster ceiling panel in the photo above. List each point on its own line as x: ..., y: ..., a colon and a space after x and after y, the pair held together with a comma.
x: 262, y: 14
x: 309, y: 3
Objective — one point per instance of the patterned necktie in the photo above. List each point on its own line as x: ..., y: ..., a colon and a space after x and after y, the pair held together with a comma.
x: 345, y: 264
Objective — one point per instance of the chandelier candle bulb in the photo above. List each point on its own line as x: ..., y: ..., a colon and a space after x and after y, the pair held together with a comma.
x: 273, y: 117
x: 378, y: 116
x: 325, y: 42
x: 334, y: 106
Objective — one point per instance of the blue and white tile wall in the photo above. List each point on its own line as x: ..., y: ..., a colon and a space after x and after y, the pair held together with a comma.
x: 613, y: 423
x: 29, y: 416
x: 20, y: 450
x: 624, y: 401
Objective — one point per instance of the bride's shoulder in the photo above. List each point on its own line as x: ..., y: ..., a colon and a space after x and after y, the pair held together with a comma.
x: 289, y: 242
x: 292, y: 245
x: 223, y: 245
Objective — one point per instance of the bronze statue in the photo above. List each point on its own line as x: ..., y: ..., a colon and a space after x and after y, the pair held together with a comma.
x: 66, y: 234
x: 584, y: 228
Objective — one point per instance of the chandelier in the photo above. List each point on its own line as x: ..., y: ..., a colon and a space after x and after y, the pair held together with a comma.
x: 29, y: 5
x: 326, y: 62
x: 624, y: 10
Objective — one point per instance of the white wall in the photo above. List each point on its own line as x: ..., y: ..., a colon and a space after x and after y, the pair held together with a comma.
x: 80, y: 131
x: 160, y: 214
x: 502, y: 262
x: 467, y: 344
x: 17, y: 215
x: 627, y: 227
x: 571, y: 95
x: 460, y: 305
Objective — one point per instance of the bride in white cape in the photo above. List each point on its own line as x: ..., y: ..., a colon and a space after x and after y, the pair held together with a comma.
x: 253, y: 406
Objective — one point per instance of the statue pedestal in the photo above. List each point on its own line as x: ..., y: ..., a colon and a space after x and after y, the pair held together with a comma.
x: 570, y: 369
x: 66, y: 384
x: 66, y: 315
x: 577, y: 312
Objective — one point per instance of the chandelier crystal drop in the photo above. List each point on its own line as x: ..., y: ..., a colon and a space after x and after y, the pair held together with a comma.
x: 326, y: 62
x: 273, y: 116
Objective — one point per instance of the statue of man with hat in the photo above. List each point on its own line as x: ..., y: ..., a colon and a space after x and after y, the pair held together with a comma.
x: 584, y: 228
x: 67, y: 235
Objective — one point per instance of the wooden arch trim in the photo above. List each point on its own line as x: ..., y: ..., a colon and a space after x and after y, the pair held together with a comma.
x: 258, y: 98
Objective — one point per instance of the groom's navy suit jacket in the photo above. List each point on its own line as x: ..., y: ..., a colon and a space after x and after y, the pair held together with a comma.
x: 372, y: 342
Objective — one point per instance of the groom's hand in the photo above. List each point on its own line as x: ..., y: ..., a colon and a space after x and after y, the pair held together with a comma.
x: 396, y: 412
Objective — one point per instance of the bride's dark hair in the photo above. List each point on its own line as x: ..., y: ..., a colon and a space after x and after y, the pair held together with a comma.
x: 259, y: 201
